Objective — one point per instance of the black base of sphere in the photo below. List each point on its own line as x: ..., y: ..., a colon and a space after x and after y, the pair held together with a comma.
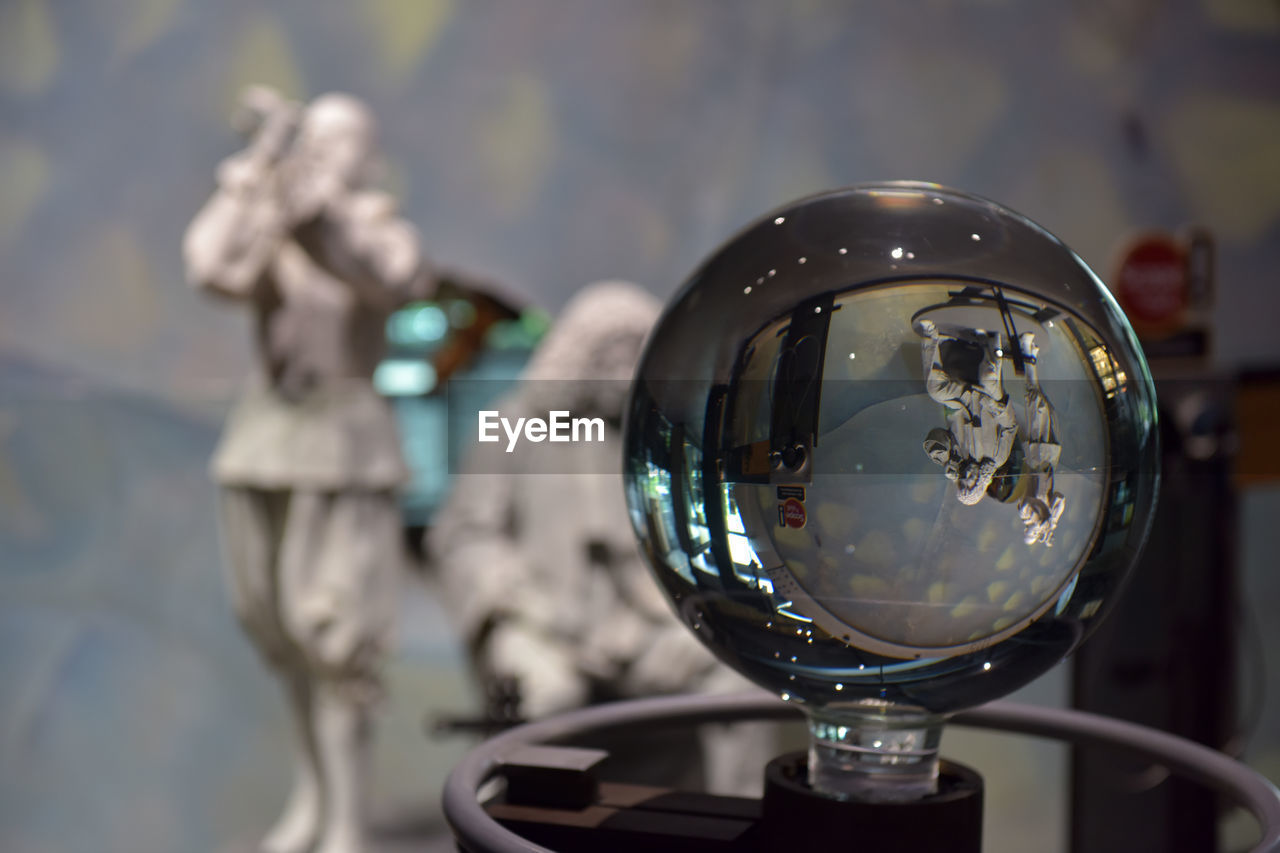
x: 795, y: 817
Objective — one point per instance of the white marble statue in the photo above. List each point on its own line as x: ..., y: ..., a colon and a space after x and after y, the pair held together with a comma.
x: 310, y: 460
x: 538, y: 562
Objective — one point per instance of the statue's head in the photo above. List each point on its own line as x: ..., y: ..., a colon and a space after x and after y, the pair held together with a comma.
x: 940, y: 446
x: 587, y: 360
x: 1039, y: 519
x: 973, y: 480
x: 337, y: 137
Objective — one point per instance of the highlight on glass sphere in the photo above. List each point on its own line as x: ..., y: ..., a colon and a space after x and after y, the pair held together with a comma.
x: 890, y: 452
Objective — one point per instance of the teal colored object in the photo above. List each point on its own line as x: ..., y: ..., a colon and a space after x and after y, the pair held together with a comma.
x: 433, y: 416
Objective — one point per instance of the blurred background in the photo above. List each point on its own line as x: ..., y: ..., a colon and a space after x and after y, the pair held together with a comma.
x: 542, y: 144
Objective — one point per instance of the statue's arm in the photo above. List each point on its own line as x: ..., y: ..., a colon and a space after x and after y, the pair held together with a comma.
x: 361, y: 241
x: 1006, y: 432
x: 229, y: 246
x: 939, y: 384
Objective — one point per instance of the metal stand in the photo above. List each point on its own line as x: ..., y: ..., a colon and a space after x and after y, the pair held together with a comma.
x: 603, y: 816
x: 794, y: 817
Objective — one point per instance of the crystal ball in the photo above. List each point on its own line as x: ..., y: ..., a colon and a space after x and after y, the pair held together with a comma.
x: 892, y: 445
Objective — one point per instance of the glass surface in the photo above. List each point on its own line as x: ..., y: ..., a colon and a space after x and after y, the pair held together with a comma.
x: 890, y: 452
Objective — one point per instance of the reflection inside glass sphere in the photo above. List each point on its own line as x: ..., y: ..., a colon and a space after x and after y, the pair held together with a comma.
x: 909, y: 497
x: 889, y: 452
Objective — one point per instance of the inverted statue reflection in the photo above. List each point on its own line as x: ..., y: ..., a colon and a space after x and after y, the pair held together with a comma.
x: 310, y: 461
x: 964, y: 371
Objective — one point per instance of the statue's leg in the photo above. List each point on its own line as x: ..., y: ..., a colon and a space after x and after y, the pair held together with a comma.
x: 1041, y: 427
x: 340, y: 564
x: 253, y: 523
x: 343, y: 737
x: 298, y: 826
x: 1027, y: 343
x: 990, y: 369
x: 249, y: 526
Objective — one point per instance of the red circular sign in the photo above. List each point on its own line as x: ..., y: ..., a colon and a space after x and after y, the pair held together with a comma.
x: 1151, y: 283
x: 793, y: 513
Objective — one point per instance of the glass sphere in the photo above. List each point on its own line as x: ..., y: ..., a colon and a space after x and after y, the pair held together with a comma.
x: 892, y: 448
